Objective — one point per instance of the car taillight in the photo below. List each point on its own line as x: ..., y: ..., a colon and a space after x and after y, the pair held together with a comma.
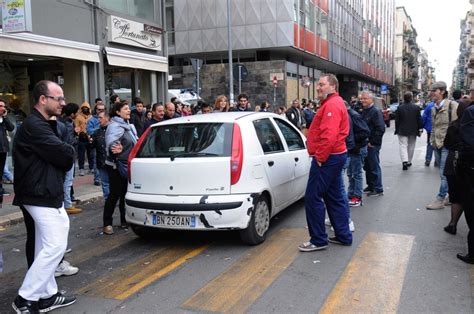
x: 134, y: 152
x: 237, y: 157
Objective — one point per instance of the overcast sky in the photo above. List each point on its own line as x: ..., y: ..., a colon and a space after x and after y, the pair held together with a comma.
x: 440, y: 21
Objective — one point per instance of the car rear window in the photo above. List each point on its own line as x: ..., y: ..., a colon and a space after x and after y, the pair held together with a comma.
x: 188, y: 140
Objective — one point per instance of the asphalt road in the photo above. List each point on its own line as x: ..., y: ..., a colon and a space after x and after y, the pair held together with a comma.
x: 401, y: 260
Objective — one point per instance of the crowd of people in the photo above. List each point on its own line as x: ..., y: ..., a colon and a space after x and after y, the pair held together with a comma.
x: 343, y: 138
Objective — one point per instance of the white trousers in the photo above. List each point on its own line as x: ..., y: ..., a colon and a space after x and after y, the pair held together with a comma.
x: 407, y: 147
x: 51, y: 233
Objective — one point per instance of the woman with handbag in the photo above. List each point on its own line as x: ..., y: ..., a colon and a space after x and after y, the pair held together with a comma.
x: 120, y: 138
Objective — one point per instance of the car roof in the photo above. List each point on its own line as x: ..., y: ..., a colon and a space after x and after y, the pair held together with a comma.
x: 225, y: 117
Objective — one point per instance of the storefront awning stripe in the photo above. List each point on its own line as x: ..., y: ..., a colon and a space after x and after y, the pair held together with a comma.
x: 130, y: 59
x: 32, y: 44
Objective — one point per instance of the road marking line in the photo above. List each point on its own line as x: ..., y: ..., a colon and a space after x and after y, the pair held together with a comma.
x: 373, y: 280
x: 239, y: 286
x: 124, y: 282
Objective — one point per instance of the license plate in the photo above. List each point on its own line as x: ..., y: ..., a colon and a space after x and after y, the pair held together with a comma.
x: 173, y: 221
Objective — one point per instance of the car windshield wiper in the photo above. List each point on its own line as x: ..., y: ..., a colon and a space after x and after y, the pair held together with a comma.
x: 193, y: 154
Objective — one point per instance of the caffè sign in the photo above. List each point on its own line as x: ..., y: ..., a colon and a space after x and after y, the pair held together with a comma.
x: 133, y: 33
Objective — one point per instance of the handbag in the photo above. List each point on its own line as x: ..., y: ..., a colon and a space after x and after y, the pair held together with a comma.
x: 122, y: 167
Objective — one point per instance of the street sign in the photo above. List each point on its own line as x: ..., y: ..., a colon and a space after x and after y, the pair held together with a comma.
x: 243, y: 72
x: 275, y: 81
x: 196, y: 63
x: 384, y: 89
x: 279, y: 76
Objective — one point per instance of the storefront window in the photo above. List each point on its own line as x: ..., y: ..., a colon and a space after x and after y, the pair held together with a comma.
x: 139, y: 8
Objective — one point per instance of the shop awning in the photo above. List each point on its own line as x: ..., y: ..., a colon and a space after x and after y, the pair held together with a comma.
x: 136, y: 60
x: 32, y: 44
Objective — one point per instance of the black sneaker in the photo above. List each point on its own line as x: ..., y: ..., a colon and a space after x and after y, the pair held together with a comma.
x: 405, y: 165
x: 375, y: 193
x: 335, y: 240
x: 367, y: 190
x: 21, y: 305
x: 56, y: 301
x: 5, y: 192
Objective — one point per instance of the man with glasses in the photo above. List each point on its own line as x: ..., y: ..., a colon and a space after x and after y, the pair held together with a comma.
x: 325, y: 191
x: 37, y: 149
x: 442, y: 113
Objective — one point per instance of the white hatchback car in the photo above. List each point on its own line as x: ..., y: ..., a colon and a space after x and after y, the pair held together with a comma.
x: 220, y: 171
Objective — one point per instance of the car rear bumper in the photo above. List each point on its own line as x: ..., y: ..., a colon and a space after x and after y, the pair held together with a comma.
x: 209, y: 211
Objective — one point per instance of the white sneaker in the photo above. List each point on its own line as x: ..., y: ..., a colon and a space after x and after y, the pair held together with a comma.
x: 65, y: 269
x: 351, y: 226
x: 82, y: 172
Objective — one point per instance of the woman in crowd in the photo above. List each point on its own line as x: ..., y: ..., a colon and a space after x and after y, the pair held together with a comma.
x: 265, y: 106
x: 221, y: 104
x: 453, y: 143
x: 120, y: 138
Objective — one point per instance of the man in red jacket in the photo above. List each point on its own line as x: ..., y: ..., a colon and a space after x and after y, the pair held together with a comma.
x: 325, y: 191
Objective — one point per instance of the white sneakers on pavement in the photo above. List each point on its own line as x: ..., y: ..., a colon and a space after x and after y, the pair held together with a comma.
x: 327, y: 222
x: 65, y: 269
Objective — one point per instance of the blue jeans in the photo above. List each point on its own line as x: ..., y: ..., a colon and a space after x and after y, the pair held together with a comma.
x: 354, y: 172
x: 104, y: 180
x: 429, y: 148
x: 67, y: 187
x: 441, y: 154
x: 7, y: 175
x: 324, y: 192
x: 373, y: 172
x: 344, y: 169
x: 82, y: 149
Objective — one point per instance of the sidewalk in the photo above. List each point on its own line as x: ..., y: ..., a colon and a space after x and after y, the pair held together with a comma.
x: 84, y: 190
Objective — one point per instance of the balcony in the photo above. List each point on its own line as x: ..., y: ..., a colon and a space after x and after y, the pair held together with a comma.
x: 470, y: 73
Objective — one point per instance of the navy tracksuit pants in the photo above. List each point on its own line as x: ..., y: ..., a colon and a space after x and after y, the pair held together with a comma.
x: 325, y: 192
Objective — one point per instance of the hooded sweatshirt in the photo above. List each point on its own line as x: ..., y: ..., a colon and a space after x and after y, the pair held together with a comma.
x: 82, y: 119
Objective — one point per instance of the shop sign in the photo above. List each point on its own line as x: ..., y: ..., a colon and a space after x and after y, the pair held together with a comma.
x: 16, y: 16
x: 133, y: 33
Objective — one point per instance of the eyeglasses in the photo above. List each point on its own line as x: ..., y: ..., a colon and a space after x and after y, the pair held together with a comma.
x: 57, y: 98
x: 99, y: 110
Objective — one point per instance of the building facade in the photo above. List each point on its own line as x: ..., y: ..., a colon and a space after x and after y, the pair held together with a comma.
x: 462, y: 75
x: 406, y: 54
x: 91, y: 48
x: 292, y: 41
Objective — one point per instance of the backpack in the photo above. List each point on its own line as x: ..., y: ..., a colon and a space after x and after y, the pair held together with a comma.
x: 360, y: 127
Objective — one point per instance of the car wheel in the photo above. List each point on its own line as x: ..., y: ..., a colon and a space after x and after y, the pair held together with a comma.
x: 143, y: 232
x: 259, y: 223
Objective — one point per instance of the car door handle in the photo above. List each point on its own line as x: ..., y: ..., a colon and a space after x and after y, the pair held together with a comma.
x: 297, y: 159
x: 271, y: 163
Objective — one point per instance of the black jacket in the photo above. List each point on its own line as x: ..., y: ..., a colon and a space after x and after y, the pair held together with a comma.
x: 98, y: 141
x: 138, y: 120
x: 41, y: 161
x: 408, y: 121
x: 453, y: 142
x: 5, y: 126
x: 374, y: 118
x: 295, y: 116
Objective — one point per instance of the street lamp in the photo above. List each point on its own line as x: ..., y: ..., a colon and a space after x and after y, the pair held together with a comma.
x: 229, y: 40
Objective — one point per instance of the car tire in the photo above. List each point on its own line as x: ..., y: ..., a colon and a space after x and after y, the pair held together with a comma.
x: 143, y: 232
x: 259, y: 223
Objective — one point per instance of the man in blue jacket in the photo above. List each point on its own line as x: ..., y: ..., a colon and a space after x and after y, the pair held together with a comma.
x: 427, y: 126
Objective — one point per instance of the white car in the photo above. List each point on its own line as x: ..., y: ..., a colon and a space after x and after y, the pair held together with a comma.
x: 219, y: 171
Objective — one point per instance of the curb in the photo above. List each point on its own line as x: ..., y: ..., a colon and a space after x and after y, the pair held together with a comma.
x: 17, y: 217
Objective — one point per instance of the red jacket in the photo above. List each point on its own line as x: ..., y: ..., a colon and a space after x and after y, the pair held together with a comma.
x: 329, y: 129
